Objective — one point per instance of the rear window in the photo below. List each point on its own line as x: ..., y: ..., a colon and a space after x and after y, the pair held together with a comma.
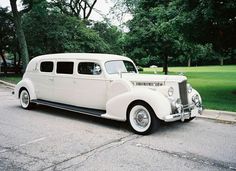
x: 65, y: 67
x: 46, y: 66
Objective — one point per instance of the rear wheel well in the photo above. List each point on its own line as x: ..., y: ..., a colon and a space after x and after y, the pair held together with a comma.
x: 21, y: 89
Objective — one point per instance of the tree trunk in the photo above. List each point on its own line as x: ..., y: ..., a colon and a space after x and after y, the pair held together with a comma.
x: 165, y: 65
x: 221, y: 61
x: 20, y: 34
x: 189, y: 62
x: 4, y: 62
x: 18, y: 65
x: 15, y: 66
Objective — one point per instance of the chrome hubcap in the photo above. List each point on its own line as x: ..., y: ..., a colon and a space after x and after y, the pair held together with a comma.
x: 25, y: 98
x: 141, y: 118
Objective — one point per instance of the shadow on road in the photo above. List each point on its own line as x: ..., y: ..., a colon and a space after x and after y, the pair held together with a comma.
x: 46, y: 110
x: 118, y: 125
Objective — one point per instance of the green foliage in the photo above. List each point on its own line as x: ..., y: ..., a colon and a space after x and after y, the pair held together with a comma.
x: 198, y: 30
x: 124, y: 6
x: 154, y: 32
x: 211, y: 22
x: 197, y: 53
x: 48, y: 31
x: 111, y: 36
x: 6, y: 30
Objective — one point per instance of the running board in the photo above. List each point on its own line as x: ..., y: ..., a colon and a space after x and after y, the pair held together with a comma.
x: 87, y: 111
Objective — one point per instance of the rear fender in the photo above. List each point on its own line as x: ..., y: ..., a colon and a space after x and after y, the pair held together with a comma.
x: 25, y: 84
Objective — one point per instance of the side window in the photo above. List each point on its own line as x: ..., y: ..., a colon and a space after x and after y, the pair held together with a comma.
x: 65, y: 67
x: 130, y: 67
x: 46, y: 66
x: 89, y: 68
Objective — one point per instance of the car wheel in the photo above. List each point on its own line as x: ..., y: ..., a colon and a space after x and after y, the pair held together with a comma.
x: 142, y: 119
x: 190, y: 119
x: 25, y: 99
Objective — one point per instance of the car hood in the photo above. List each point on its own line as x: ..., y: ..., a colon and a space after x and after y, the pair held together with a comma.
x: 151, y: 78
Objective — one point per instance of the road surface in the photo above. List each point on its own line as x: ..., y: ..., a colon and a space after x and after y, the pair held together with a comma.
x: 52, y: 139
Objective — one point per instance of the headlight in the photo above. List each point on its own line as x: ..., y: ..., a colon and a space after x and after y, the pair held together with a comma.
x: 196, y: 100
x: 171, y: 91
x: 190, y: 89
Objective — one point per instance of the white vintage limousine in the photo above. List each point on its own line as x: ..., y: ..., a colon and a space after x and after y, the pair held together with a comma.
x: 107, y: 86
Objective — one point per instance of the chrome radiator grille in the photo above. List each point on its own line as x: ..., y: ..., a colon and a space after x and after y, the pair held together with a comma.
x: 183, y: 92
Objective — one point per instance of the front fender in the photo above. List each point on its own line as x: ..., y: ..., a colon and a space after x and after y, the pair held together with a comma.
x: 27, y: 84
x: 117, y: 106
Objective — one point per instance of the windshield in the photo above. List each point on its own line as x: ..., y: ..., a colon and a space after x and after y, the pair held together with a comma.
x: 114, y: 67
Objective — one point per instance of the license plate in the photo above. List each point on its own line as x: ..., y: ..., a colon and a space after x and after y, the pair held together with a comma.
x: 194, y: 112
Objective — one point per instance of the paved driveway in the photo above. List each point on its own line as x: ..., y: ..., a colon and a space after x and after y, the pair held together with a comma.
x: 52, y: 139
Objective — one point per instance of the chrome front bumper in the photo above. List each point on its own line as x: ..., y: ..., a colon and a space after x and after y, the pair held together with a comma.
x: 185, y: 114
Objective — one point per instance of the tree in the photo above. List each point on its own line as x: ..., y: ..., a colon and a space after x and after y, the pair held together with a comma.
x: 211, y: 22
x: 81, y: 9
x: 122, y: 7
x: 195, y: 54
x: 182, y: 29
x: 6, y: 34
x: 154, y: 32
x: 17, y: 18
x: 111, y: 35
x: 49, y: 31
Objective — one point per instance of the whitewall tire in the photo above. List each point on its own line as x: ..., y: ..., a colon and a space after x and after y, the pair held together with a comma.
x: 25, y: 99
x: 142, y: 118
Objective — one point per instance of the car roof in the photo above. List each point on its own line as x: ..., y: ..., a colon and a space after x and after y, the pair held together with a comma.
x: 83, y: 56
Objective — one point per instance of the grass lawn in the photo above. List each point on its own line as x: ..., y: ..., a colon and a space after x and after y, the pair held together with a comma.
x: 11, y: 79
x: 216, y: 84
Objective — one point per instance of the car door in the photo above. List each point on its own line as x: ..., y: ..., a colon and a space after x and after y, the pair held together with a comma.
x: 90, y: 86
x: 44, y: 80
x: 63, y: 81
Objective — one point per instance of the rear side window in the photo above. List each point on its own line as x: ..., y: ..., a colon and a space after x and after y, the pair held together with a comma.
x: 46, y: 66
x: 89, y: 68
x: 65, y: 67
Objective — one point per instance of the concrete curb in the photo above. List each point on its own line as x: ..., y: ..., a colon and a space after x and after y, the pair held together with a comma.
x: 223, y: 116
x: 12, y: 86
x: 219, y: 112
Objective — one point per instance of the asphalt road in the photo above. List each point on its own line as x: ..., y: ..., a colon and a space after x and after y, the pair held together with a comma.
x: 52, y: 139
